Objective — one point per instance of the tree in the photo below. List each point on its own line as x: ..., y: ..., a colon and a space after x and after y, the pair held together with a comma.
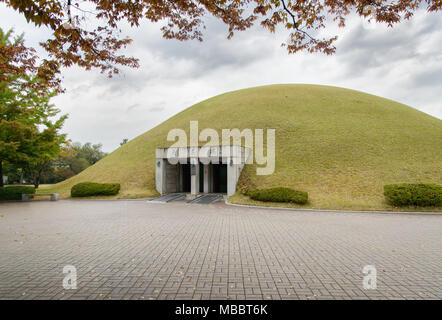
x: 41, y: 167
x: 77, y: 164
x: 91, y: 152
x: 18, y: 61
x: 13, y: 141
x: 16, y: 114
x: 46, y: 147
x: 98, y: 47
x: 15, y: 138
x: 122, y: 143
x: 25, y: 111
x: 78, y: 157
x: 61, y: 174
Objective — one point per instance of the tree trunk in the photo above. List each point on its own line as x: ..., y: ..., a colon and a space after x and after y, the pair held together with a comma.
x: 1, y: 173
x: 37, y: 178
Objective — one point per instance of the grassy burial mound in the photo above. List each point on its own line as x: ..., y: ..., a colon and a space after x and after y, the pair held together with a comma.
x: 341, y: 146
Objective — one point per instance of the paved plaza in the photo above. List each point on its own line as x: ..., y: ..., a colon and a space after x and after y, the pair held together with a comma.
x: 141, y: 250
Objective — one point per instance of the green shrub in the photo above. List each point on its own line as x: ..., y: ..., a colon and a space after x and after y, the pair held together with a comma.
x: 88, y: 189
x: 279, y: 195
x: 419, y: 194
x: 15, y: 192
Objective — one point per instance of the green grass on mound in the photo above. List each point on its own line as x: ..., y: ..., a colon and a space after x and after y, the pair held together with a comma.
x: 341, y: 146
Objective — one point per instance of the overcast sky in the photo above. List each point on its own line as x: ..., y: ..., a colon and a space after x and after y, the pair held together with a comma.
x: 403, y: 64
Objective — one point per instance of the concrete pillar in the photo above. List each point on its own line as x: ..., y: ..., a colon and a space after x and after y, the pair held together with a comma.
x: 195, y: 178
x: 160, y: 175
x: 180, y: 179
x: 233, y: 172
x: 207, y: 180
x: 232, y: 178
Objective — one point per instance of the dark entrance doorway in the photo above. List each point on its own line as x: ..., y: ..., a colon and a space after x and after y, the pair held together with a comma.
x: 219, y: 178
x: 201, y: 178
x: 186, y: 184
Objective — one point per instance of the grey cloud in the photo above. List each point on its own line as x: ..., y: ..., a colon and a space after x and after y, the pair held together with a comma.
x: 159, y: 107
x: 156, y: 109
x: 428, y: 78
x: 132, y: 107
x: 214, y: 52
x: 361, y: 50
x: 81, y: 89
x: 128, y: 82
x: 176, y: 63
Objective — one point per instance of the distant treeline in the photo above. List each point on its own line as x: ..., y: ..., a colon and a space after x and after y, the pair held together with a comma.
x: 74, y: 159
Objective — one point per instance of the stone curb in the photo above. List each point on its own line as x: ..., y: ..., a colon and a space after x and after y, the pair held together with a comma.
x: 429, y: 213
x: 334, y: 211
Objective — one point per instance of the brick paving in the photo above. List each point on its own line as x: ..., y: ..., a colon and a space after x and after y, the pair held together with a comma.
x: 140, y: 250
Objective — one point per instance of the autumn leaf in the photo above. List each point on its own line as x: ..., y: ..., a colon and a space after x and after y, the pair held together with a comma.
x: 74, y: 42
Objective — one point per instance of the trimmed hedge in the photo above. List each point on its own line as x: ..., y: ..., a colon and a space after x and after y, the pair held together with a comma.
x: 418, y: 194
x: 15, y: 192
x: 279, y: 195
x: 89, y: 189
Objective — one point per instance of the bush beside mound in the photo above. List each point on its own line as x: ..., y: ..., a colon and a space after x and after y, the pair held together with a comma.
x: 279, y: 195
x: 418, y: 194
x: 89, y: 189
x: 15, y: 192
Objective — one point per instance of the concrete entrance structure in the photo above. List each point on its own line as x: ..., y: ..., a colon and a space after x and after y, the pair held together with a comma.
x: 198, y: 170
